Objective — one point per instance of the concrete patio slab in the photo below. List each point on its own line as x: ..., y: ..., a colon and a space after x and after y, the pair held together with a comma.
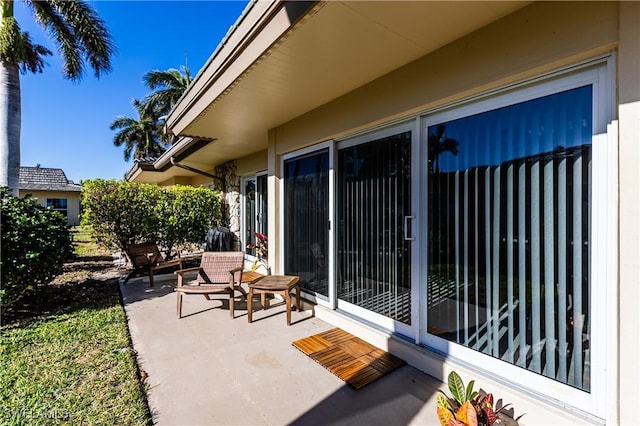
x: 209, y: 369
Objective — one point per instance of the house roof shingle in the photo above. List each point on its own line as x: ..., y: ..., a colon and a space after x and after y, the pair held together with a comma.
x: 45, y: 179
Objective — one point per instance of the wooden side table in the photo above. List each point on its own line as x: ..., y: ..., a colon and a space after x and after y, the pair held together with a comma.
x: 249, y: 277
x: 274, y: 284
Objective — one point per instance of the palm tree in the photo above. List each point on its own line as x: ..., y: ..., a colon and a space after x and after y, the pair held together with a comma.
x: 81, y: 38
x: 169, y: 86
x: 438, y: 144
x: 143, y: 137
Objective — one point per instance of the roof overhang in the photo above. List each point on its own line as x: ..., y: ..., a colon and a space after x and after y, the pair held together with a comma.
x: 283, y: 59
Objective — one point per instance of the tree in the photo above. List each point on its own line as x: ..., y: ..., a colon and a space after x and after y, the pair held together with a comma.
x: 81, y: 38
x: 438, y: 144
x: 143, y: 137
x: 168, y: 87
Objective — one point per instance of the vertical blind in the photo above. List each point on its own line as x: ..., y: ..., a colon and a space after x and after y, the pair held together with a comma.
x: 374, y: 196
x: 509, y: 233
x: 306, y: 220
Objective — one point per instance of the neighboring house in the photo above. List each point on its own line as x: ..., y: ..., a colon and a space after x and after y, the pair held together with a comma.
x: 455, y: 181
x: 52, y: 189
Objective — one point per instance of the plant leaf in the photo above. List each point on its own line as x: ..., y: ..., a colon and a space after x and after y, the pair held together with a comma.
x: 456, y: 386
x: 469, y: 393
x: 444, y: 415
x: 503, y: 407
x: 442, y: 400
x: 488, y: 401
x: 489, y: 415
x: 467, y: 414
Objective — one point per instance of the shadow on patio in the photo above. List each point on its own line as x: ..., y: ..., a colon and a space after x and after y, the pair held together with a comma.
x: 209, y: 369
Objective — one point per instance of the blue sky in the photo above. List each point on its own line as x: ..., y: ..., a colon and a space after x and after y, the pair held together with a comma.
x: 66, y: 124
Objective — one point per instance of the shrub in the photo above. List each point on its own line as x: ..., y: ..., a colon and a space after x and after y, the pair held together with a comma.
x: 122, y: 213
x: 184, y: 214
x: 119, y: 213
x: 35, y: 244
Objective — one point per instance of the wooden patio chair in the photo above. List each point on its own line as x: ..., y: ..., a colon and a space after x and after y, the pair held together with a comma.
x: 147, y: 257
x: 219, y: 272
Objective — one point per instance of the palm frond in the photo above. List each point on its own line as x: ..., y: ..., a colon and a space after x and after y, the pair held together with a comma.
x: 17, y: 48
x: 142, y: 137
x: 79, y: 34
x: 91, y: 32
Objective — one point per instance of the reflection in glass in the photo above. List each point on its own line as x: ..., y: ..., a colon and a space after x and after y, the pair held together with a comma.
x: 509, y: 234
x: 249, y: 216
x: 374, y: 196
x: 306, y: 220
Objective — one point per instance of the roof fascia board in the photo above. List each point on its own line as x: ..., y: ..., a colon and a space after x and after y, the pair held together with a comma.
x: 177, y: 148
x: 264, y: 24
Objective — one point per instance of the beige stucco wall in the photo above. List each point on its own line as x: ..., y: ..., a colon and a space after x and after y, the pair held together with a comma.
x: 200, y: 180
x: 73, y: 202
x: 540, y: 38
x: 252, y: 164
x: 177, y: 180
x: 629, y: 218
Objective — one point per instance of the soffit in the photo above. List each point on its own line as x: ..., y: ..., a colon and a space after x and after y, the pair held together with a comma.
x: 336, y: 48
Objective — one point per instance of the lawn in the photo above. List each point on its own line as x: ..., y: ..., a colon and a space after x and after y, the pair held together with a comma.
x: 66, y: 356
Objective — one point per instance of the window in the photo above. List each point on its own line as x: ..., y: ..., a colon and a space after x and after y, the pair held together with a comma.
x: 58, y: 204
x: 255, y: 211
x: 306, y: 220
x: 509, y: 233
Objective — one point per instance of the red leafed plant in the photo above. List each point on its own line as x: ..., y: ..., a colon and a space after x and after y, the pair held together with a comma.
x: 465, y: 407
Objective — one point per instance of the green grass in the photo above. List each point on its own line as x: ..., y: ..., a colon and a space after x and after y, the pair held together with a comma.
x: 66, y: 357
x: 85, y: 245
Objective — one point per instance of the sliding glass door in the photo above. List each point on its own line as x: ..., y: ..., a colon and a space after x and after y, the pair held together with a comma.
x: 373, y: 216
x: 306, y: 220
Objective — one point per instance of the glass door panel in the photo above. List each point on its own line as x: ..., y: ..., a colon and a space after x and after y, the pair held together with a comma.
x: 306, y: 220
x: 510, y: 234
x: 373, y: 200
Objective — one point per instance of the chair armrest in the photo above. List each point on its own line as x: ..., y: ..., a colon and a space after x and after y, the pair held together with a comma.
x: 166, y: 263
x: 180, y: 273
x: 235, y: 278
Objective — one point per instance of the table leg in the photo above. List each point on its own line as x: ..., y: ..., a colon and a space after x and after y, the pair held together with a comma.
x: 250, y: 304
x: 287, y: 299
x: 263, y: 300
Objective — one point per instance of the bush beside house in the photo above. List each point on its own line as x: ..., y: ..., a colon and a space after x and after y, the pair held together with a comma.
x: 123, y: 213
x: 35, y: 244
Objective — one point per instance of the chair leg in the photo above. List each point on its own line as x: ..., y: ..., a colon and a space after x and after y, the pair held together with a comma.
x: 231, y: 301
x: 250, y: 304
x: 128, y: 277
x: 150, y: 277
x: 179, y: 306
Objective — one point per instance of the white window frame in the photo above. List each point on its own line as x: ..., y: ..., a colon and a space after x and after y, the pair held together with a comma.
x: 600, y: 74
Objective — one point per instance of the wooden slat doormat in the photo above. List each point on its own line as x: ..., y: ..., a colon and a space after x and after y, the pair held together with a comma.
x: 348, y: 357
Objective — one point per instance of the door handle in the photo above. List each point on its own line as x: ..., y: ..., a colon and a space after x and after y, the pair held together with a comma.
x: 407, y: 234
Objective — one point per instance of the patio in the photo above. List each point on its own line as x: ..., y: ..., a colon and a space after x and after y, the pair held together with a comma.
x: 208, y: 369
